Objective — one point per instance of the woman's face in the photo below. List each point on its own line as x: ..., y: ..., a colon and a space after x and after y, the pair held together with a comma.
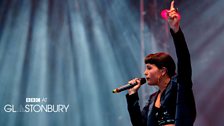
x: 152, y: 74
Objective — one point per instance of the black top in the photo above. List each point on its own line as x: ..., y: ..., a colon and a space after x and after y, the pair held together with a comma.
x: 177, y: 100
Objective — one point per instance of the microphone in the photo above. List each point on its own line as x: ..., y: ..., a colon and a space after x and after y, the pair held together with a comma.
x: 128, y: 86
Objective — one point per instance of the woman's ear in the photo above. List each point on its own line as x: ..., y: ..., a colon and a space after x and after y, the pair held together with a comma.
x: 164, y: 71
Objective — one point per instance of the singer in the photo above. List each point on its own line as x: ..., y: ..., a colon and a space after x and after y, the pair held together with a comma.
x: 173, y: 104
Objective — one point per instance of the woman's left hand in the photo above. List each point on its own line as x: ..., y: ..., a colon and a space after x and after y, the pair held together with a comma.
x: 173, y: 18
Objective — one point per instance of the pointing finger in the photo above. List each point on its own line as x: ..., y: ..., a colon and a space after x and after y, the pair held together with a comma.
x: 172, y: 6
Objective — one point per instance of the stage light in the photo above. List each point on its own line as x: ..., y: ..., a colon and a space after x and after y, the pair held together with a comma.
x: 164, y: 14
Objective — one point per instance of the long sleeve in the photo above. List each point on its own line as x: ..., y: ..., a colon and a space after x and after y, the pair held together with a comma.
x: 184, y: 71
x: 185, y: 104
x: 135, y: 113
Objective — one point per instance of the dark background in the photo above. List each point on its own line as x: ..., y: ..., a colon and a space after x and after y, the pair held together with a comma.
x: 76, y: 51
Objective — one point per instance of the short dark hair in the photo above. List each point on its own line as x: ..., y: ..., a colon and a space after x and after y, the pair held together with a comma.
x: 162, y: 59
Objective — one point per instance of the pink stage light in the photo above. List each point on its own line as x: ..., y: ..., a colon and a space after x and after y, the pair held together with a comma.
x: 164, y: 14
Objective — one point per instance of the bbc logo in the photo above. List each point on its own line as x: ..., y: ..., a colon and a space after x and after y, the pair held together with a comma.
x: 32, y: 99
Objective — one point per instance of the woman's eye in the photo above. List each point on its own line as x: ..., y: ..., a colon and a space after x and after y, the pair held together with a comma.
x: 148, y: 68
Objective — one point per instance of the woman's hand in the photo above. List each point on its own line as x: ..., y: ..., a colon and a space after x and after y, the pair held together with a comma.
x: 136, y: 87
x: 173, y: 18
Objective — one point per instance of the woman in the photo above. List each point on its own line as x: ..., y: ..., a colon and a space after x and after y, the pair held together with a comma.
x: 173, y: 104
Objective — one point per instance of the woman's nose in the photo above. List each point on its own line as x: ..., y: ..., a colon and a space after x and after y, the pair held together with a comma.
x: 145, y: 72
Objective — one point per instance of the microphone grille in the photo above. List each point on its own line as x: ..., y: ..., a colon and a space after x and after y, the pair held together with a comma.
x: 142, y: 80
